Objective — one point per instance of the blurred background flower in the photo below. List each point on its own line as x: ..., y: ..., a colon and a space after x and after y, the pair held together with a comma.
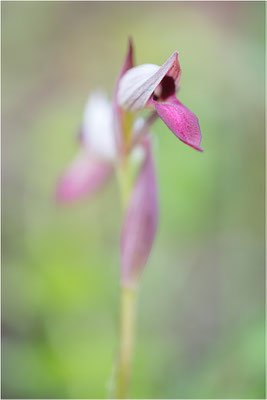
x: 201, y: 325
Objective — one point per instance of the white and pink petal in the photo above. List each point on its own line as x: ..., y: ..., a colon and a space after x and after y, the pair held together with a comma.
x: 139, y: 83
x: 97, y: 130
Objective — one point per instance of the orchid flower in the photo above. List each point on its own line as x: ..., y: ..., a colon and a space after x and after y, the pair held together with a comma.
x: 93, y: 165
x: 114, y: 140
x: 151, y: 86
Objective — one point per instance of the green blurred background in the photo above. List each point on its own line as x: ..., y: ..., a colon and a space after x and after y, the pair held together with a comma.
x: 201, y: 300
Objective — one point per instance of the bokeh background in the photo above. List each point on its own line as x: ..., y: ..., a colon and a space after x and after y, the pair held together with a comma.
x: 201, y: 300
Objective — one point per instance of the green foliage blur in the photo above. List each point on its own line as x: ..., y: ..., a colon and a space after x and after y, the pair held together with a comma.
x: 201, y: 298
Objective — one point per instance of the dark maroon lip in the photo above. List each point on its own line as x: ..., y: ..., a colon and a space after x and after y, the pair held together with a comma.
x: 167, y: 88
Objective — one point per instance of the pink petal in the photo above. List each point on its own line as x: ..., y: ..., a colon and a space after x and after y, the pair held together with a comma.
x: 83, y: 177
x: 118, y: 111
x: 140, y: 222
x: 181, y: 121
x: 139, y: 83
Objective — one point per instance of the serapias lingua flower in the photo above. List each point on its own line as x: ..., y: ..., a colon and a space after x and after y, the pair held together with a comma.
x: 94, y: 163
x: 152, y: 86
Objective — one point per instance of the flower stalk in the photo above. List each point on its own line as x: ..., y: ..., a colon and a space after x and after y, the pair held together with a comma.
x: 127, y: 339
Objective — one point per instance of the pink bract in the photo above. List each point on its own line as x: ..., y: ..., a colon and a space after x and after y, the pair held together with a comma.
x: 140, y: 222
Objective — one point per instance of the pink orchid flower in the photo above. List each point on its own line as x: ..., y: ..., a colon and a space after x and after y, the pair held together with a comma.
x: 151, y: 86
x: 93, y: 165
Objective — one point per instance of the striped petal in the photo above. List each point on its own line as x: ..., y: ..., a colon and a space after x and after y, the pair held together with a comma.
x: 139, y: 83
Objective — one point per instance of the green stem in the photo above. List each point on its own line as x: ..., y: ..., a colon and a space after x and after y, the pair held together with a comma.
x: 127, y: 333
x: 127, y: 294
x: 127, y: 304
